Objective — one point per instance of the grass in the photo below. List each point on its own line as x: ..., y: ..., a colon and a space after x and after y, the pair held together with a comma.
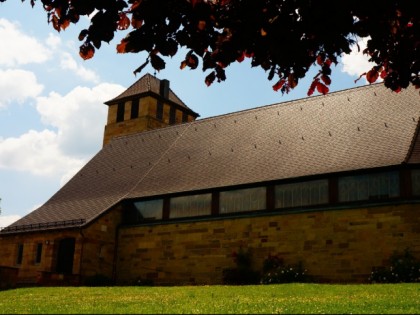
x: 263, y: 299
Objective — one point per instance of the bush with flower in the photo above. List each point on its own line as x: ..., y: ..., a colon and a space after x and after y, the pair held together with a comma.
x: 403, y: 268
x: 276, y: 271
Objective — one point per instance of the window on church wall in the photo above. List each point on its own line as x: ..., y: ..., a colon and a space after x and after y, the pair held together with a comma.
x: 172, y: 115
x: 38, y: 253
x: 301, y: 194
x: 159, y: 110
x: 184, y: 117
x: 415, y: 182
x: 120, y: 111
x: 134, y: 109
x: 369, y: 186
x: 19, y: 256
x: 240, y: 200
x: 149, y: 209
x: 190, y: 206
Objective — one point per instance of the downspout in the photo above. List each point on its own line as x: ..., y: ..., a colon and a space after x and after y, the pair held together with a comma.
x: 114, y: 262
x: 81, y: 254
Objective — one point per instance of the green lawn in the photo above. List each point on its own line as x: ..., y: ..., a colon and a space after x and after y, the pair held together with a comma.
x: 266, y: 299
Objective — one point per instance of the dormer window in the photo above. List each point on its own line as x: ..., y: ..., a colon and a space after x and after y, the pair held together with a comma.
x: 159, y: 110
x: 172, y: 112
x: 120, y: 112
x: 134, y: 109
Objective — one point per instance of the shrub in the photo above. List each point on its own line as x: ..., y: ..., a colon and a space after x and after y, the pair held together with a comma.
x: 404, y: 268
x: 241, y: 274
x: 275, y: 271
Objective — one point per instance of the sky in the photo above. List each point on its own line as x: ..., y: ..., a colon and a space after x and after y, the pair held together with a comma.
x: 52, y: 112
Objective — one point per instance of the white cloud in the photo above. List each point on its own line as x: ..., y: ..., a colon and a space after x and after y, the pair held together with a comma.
x: 67, y: 62
x: 53, y: 41
x: 37, y: 153
x: 356, y: 62
x: 17, y: 85
x: 79, y: 118
x: 19, y: 49
x: 6, y: 220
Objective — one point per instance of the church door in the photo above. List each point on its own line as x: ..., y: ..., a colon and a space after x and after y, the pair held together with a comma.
x: 65, y: 255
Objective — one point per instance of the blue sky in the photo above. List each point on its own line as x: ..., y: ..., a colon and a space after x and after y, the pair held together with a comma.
x: 52, y: 111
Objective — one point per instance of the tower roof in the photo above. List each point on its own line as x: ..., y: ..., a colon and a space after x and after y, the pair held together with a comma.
x: 148, y: 84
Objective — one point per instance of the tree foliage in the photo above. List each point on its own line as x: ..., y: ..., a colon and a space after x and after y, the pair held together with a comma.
x: 284, y: 37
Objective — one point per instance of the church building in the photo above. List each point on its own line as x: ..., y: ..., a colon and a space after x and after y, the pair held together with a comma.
x: 331, y: 181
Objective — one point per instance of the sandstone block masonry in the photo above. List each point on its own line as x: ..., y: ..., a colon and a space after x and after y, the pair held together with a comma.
x: 334, y: 245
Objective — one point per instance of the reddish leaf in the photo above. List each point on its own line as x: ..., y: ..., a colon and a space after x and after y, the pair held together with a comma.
x: 58, y: 12
x: 183, y: 65
x: 210, y: 78
x: 397, y: 90
x: 83, y: 34
x: 383, y: 74
x: 157, y: 62
x: 221, y: 64
x: 86, y: 51
x: 326, y: 79
x: 279, y: 85
x: 124, y: 22
x: 241, y: 57
x: 194, y: 2
x: 292, y: 81
x: 192, y: 61
x: 64, y: 24
x: 263, y: 32
x: 55, y: 23
x: 372, y: 76
x: 323, y: 89
x: 320, y: 59
x: 201, y: 25
x: 312, y: 87
x: 121, y: 47
x: 136, y: 23
x: 327, y: 62
x: 134, y: 5
x: 249, y: 54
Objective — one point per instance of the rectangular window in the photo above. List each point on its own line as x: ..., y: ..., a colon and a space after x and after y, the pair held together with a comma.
x: 369, y: 187
x: 172, y: 112
x: 120, y: 111
x: 190, y: 206
x: 248, y: 199
x: 134, y: 109
x: 415, y: 182
x: 184, y: 117
x: 149, y: 209
x: 301, y: 194
x: 159, y: 110
x: 38, y: 253
x: 19, y: 256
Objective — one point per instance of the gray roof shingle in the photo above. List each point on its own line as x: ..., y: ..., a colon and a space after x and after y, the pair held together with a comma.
x: 359, y: 128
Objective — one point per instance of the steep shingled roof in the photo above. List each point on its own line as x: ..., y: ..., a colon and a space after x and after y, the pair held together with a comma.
x: 359, y: 128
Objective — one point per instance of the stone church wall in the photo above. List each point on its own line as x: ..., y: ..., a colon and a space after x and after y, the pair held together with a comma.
x: 334, y: 245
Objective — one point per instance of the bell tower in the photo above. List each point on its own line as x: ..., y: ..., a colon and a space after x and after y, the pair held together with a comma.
x: 147, y: 104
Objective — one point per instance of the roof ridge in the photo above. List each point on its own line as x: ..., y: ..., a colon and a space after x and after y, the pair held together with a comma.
x: 287, y: 103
